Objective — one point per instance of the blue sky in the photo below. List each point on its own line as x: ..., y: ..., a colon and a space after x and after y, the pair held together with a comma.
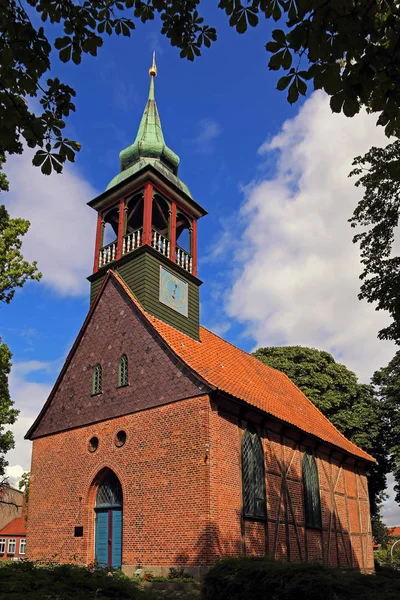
x: 275, y: 250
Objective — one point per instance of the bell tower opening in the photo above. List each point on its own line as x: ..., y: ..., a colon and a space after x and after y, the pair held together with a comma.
x: 147, y: 227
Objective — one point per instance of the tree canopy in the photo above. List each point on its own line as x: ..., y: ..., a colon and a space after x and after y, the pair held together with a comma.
x: 8, y: 414
x: 349, y: 49
x: 352, y: 407
x: 377, y: 217
x: 387, y: 385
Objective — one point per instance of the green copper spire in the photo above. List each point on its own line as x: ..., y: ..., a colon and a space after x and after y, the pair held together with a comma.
x: 149, y: 142
x: 149, y: 147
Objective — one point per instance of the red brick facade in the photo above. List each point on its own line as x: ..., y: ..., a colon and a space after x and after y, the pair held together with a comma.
x: 180, y: 468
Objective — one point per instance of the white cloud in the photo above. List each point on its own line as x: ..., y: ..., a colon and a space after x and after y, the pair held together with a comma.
x: 209, y: 131
x: 390, y: 510
x: 298, y: 279
x: 29, y: 397
x: 295, y: 278
x: 62, y: 232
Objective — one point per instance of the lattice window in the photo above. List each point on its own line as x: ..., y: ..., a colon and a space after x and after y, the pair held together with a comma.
x: 109, y: 492
x: 312, y: 499
x: 2, y: 545
x: 123, y: 378
x: 253, y: 475
x: 97, y: 382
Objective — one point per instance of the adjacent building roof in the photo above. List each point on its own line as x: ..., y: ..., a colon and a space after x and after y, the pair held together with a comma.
x: 394, y: 531
x: 241, y: 375
x: 16, y: 527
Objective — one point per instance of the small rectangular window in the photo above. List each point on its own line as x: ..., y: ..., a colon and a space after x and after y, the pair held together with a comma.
x: 11, y: 546
x: 78, y: 532
x: 22, y: 546
x: 2, y: 545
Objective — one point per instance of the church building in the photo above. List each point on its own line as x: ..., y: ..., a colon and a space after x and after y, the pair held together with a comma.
x: 162, y: 445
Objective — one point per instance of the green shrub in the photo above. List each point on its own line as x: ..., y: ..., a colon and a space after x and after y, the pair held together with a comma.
x: 27, y: 581
x: 265, y: 579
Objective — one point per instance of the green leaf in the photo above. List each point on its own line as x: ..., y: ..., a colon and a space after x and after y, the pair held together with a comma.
x: 293, y: 93
x: 65, y: 54
x: 284, y: 82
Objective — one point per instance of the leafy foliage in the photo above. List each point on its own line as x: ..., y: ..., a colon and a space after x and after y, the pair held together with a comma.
x: 8, y: 414
x: 351, y: 50
x: 254, y: 578
x: 351, y: 406
x: 387, y: 382
x: 377, y: 216
x: 26, y: 581
x: 14, y: 270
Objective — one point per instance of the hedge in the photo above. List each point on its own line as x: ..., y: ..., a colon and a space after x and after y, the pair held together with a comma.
x: 27, y: 581
x: 266, y: 579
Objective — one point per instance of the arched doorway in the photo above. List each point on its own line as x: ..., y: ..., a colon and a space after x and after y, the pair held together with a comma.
x: 108, y: 531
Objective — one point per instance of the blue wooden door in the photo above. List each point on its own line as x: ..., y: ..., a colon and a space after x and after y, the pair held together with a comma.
x: 116, y: 538
x: 108, y: 550
x: 102, y: 537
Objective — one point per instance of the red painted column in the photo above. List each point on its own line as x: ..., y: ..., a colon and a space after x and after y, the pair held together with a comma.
x: 98, y: 242
x: 121, y: 227
x: 173, y: 233
x: 194, y: 247
x: 147, y: 210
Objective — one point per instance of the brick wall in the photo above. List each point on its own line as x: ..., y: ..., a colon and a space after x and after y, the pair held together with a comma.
x: 345, y: 539
x: 162, y: 470
x: 180, y: 471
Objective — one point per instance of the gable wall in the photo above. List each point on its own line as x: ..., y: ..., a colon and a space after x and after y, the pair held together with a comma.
x: 162, y: 470
x: 155, y: 375
x: 346, y: 537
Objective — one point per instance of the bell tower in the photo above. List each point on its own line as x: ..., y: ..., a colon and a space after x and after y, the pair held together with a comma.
x: 147, y: 227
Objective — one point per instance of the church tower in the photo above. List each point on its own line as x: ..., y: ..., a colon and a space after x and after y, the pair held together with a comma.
x: 147, y: 227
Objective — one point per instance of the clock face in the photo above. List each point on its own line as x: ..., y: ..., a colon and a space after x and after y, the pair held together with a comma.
x: 173, y: 292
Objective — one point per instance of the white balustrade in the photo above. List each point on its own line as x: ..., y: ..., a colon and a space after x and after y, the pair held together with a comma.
x: 183, y: 259
x: 107, y: 254
x: 160, y: 243
x: 131, y: 241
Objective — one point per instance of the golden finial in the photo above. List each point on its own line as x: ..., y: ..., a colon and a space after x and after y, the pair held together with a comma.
x: 153, y: 68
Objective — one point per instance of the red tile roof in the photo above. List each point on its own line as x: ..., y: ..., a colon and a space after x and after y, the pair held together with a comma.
x: 231, y: 370
x: 394, y: 531
x: 16, y: 527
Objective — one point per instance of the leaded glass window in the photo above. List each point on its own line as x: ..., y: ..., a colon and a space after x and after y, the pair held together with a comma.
x: 97, y: 383
x: 123, y: 371
x: 312, y: 499
x: 109, y: 492
x: 253, y: 475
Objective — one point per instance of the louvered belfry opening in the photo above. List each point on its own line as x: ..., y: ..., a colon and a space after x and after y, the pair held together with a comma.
x: 312, y: 498
x: 253, y: 473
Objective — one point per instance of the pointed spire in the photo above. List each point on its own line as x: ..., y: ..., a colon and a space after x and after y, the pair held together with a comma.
x: 149, y: 142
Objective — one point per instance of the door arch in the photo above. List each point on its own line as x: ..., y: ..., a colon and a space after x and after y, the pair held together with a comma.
x: 108, y: 522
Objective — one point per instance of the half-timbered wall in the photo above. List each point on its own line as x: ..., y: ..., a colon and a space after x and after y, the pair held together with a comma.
x: 345, y: 539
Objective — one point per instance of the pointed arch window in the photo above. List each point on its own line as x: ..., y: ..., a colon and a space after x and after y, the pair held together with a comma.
x: 109, y: 492
x: 123, y: 373
x: 312, y: 498
x: 253, y: 475
x: 97, y: 381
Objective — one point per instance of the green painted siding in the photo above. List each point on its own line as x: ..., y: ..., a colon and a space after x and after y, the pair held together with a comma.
x: 94, y: 288
x: 142, y: 275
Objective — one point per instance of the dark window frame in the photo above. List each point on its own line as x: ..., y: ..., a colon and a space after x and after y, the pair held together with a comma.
x: 311, y: 492
x: 97, y: 380
x: 123, y: 371
x: 253, y: 476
